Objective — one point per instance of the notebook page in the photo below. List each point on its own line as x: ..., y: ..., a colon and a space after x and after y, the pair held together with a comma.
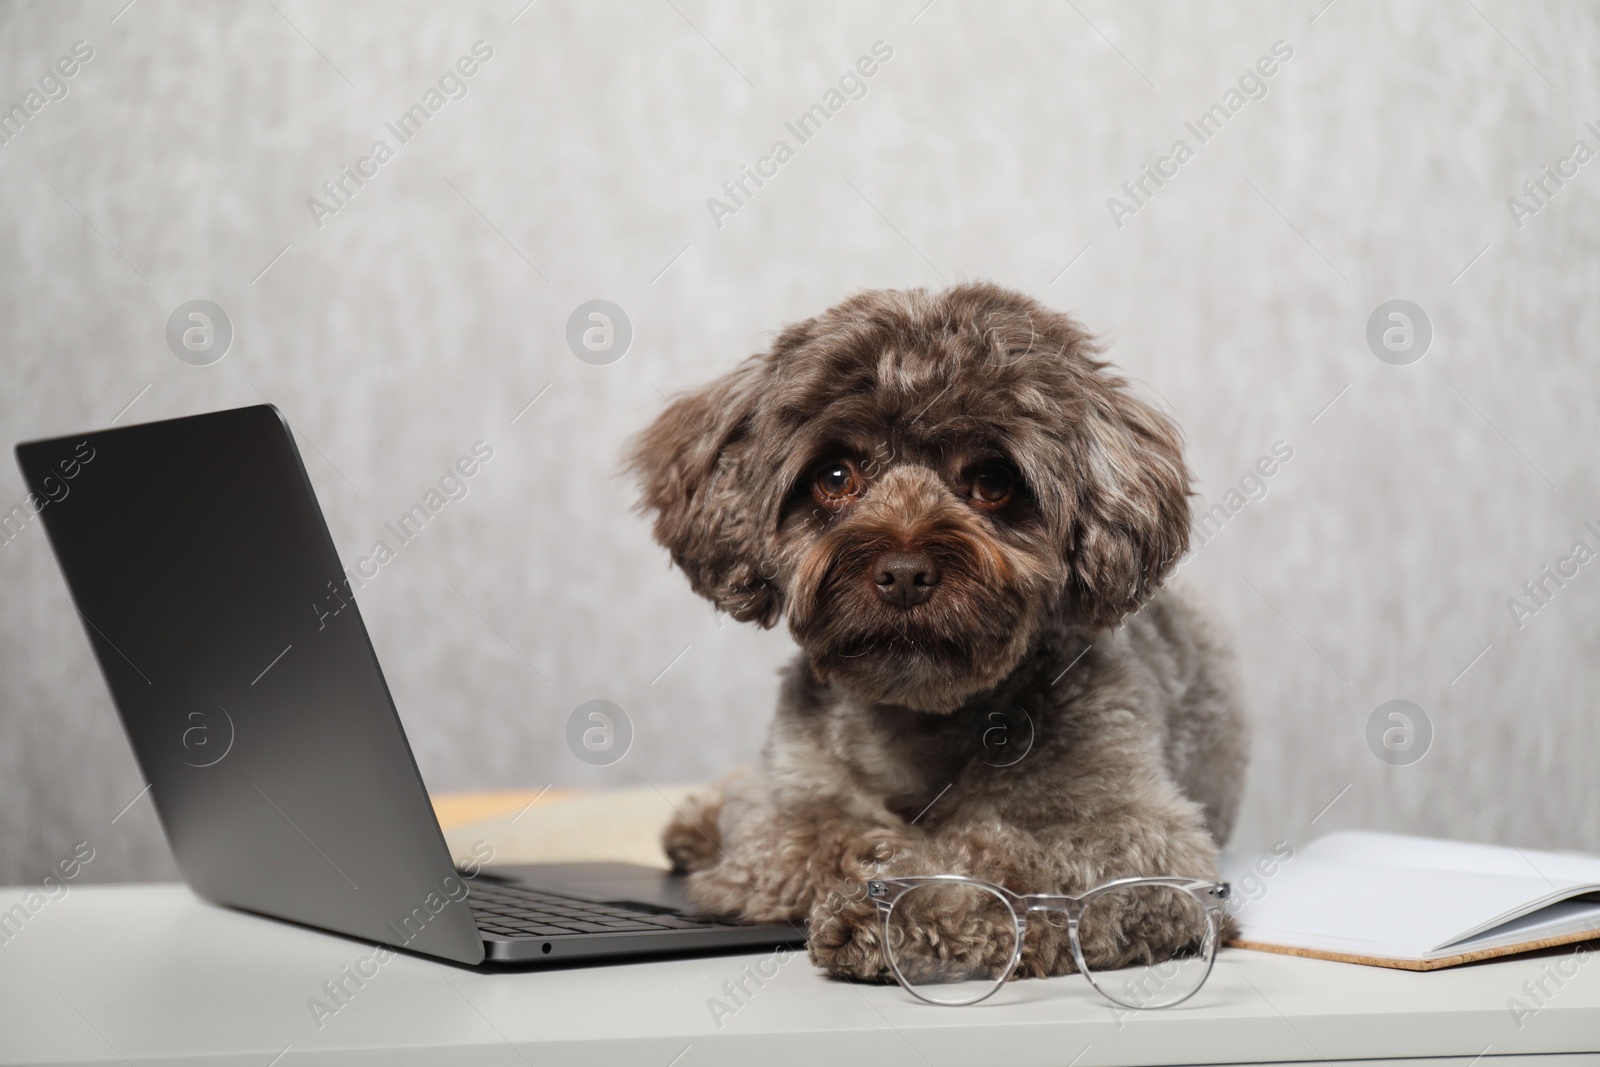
x: 1568, y: 916
x: 1402, y: 850
x: 1389, y: 911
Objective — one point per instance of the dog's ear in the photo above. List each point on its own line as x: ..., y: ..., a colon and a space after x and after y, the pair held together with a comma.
x: 695, y: 466
x: 1131, y: 521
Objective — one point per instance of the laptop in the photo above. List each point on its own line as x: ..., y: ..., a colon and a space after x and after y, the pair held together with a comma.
x: 200, y: 565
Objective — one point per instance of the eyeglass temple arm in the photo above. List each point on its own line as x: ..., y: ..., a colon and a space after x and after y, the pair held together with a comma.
x: 1216, y: 891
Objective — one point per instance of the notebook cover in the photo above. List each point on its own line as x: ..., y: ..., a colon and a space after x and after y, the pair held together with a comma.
x: 1419, y: 965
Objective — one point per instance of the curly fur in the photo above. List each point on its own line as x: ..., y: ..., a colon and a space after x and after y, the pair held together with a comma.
x: 1047, y: 720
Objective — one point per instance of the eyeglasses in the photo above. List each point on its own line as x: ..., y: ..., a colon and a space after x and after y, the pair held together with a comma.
x: 955, y: 940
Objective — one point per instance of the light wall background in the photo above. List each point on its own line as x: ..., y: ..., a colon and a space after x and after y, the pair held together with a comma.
x: 426, y: 314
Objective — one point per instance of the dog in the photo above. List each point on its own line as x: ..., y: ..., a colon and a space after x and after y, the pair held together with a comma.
x: 966, y: 519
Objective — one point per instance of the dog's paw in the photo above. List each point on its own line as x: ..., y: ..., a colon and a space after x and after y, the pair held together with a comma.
x: 693, y: 839
x: 845, y: 938
x: 1141, y: 930
x: 688, y: 847
x: 936, y: 938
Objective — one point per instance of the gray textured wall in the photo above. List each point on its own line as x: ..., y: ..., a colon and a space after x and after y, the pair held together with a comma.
x: 426, y: 313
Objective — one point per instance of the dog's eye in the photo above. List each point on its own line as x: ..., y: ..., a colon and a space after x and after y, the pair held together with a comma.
x: 992, y: 485
x: 836, y: 482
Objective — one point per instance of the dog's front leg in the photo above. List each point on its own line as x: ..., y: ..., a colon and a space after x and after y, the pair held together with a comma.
x: 846, y: 931
x: 1073, y: 848
x: 779, y: 865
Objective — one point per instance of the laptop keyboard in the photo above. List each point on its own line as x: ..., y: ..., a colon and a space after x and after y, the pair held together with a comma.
x: 513, y: 911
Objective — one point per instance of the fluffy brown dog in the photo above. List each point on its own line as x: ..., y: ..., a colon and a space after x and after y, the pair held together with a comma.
x: 964, y: 518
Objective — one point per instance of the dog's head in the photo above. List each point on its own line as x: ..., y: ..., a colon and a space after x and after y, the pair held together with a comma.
x: 919, y: 481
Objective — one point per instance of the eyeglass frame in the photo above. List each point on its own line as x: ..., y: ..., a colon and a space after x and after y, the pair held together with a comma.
x: 886, y: 892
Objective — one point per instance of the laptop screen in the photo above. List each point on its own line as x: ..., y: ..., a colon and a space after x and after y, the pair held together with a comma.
x: 198, y: 560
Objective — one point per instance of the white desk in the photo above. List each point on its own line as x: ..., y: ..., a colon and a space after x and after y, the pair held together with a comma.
x: 149, y: 974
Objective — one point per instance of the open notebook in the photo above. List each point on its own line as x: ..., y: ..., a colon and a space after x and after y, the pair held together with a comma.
x: 1412, y: 902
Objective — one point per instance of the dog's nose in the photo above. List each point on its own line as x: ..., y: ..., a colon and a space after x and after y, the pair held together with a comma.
x: 905, y: 578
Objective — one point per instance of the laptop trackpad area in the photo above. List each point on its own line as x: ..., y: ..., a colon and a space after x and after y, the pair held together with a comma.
x: 608, y: 882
